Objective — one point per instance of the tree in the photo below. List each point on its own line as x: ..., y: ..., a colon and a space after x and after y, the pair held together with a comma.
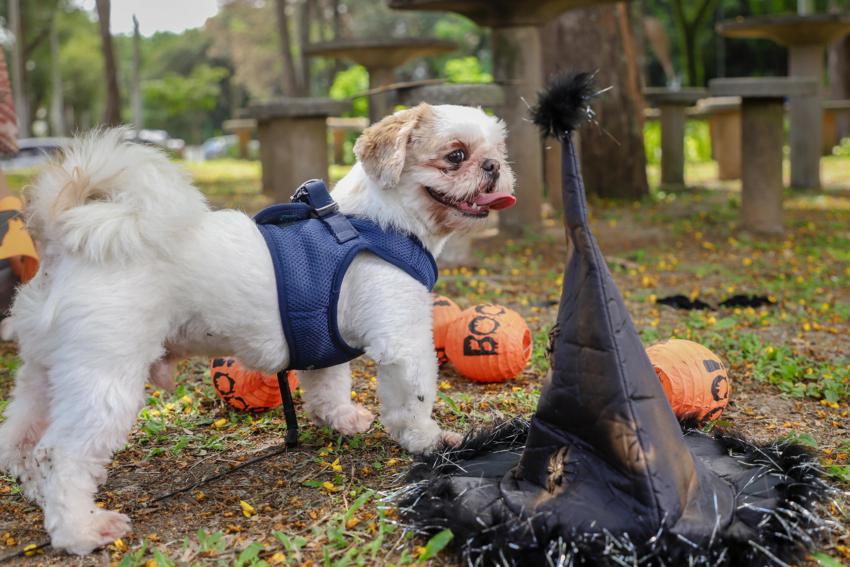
x: 291, y: 81
x: 600, y: 38
x: 112, y: 112
x: 181, y: 103
x: 690, y: 24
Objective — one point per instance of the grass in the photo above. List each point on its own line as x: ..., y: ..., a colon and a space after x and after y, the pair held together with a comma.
x: 325, y: 502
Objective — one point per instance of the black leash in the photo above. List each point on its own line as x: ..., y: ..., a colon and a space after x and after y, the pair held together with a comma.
x: 288, y: 409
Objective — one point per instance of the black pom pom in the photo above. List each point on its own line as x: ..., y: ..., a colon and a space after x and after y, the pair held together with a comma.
x: 564, y: 104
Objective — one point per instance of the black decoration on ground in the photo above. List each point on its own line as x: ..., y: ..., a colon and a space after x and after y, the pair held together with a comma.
x: 602, y: 474
x: 741, y: 300
x: 680, y: 301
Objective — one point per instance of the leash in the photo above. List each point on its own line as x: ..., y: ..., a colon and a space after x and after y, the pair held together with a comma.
x: 288, y: 409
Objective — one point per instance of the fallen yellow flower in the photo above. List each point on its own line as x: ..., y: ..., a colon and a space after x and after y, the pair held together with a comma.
x: 247, y: 509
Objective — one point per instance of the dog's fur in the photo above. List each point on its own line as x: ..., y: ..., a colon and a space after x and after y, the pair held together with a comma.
x: 137, y: 272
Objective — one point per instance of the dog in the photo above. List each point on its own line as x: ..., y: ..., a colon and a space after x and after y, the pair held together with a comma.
x: 127, y: 247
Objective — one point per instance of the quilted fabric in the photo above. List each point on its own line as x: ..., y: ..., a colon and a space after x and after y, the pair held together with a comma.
x: 310, y: 264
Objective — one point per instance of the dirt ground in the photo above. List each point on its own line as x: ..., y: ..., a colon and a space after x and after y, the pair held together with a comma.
x: 324, y: 502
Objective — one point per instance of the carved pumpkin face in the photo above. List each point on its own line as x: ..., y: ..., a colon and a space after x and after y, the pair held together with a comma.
x: 246, y: 390
x: 488, y: 343
x: 694, y: 379
x: 445, y: 311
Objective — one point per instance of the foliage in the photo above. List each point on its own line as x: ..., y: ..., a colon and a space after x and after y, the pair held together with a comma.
x: 350, y: 82
x: 183, y: 100
x: 697, y: 141
x: 466, y: 70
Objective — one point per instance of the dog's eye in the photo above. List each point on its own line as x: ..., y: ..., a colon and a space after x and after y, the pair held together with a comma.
x: 456, y: 157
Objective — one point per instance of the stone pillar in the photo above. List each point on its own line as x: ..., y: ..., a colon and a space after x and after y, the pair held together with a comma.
x: 517, y: 68
x: 296, y: 150
x: 672, y: 144
x: 293, y: 137
x: 806, y: 120
x: 381, y: 104
x: 761, y: 181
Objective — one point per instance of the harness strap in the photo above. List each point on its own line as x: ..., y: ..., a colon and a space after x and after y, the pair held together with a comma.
x: 315, y: 194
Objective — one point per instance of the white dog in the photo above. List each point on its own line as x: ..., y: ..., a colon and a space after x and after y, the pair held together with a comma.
x: 137, y: 272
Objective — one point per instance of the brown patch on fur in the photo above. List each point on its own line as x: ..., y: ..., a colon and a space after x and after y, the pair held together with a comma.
x: 382, y: 148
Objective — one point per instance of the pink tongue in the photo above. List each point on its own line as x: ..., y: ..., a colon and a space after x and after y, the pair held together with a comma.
x: 495, y: 201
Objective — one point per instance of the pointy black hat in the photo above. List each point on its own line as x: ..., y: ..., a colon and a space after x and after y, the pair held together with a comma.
x: 604, y: 474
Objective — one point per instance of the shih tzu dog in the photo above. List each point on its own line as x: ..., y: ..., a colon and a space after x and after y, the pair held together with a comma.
x: 128, y: 246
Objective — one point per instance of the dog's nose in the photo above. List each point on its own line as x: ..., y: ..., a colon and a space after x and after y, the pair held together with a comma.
x: 491, y: 166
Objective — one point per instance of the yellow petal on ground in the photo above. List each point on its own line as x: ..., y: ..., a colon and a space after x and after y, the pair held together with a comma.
x: 247, y: 509
x: 336, y: 466
x: 219, y: 423
x: 277, y: 559
x: 352, y: 522
x: 31, y: 550
x: 120, y: 545
x: 329, y: 486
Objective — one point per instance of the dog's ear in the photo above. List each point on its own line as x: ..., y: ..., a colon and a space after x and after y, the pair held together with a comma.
x: 382, y: 148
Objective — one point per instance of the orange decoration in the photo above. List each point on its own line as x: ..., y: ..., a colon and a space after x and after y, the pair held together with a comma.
x: 247, y: 390
x: 488, y: 343
x: 445, y: 311
x: 694, y: 379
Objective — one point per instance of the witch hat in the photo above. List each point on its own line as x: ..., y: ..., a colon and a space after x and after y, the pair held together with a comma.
x: 604, y: 474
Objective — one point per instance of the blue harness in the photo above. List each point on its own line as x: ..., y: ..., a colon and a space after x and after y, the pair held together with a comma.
x: 312, y: 245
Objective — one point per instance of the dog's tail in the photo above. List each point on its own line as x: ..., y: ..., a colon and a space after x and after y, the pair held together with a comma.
x: 112, y: 200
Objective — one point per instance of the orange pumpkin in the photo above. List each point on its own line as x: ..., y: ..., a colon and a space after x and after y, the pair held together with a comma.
x: 694, y: 379
x: 445, y: 311
x: 247, y: 390
x: 488, y: 343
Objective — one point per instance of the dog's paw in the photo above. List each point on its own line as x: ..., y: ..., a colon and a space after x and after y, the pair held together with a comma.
x: 450, y: 439
x: 352, y: 419
x: 101, y: 528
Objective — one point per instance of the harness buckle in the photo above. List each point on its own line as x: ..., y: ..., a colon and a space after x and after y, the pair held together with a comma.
x: 328, y: 209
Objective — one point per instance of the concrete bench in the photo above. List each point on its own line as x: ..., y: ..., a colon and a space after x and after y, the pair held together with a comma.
x: 293, y: 135
x: 242, y: 127
x: 762, y: 140
x: 339, y: 128
x: 835, y: 114
x: 724, y: 124
x: 671, y: 105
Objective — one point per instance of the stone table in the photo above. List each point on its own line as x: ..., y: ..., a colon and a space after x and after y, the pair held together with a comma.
x: 381, y: 57
x: 293, y: 137
x: 761, y: 144
x: 672, y: 104
x: 518, y: 68
x: 484, y: 95
x: 805, y: 36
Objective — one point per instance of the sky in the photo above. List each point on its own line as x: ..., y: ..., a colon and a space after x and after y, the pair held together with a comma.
x: 157, y: 15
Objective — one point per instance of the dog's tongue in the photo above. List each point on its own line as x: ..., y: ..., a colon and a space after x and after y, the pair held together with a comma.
x: 496, y: 201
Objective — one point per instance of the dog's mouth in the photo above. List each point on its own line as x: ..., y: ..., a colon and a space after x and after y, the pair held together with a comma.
x: 477, y: 206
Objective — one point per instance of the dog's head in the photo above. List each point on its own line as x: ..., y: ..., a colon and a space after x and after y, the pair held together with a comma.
x: 445, y: 164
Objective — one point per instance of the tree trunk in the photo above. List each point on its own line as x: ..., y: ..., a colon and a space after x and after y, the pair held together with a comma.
x: 16, y: 22
x: 305, y: 10
x: 136, y: 94
x: 112, y: 114
x: 290, y: 79
x: 57, y: 100
x: 612, y: 154
x: 839, y: 79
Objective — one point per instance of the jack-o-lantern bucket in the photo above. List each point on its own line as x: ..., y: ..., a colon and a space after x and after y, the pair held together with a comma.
x: 445, y: 311
x: 694, y: 379
x: 488, y: 343
x: 247, y: 390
